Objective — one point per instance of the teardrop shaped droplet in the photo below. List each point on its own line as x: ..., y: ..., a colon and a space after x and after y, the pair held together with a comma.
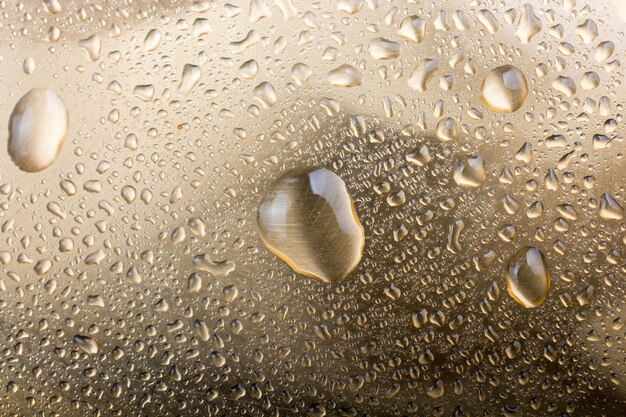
x: 528, y: 277
x: 308, y: 219
x: 504, y: 89
x: 37, y: 129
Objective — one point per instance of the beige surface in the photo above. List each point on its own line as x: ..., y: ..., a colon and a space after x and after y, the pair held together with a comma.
x: 112, y: 323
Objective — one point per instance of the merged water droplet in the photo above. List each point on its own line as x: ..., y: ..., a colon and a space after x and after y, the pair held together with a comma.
x: 37, y: 129
x: 308, y: 219
x: 528, y: 277
x: 504, y: 89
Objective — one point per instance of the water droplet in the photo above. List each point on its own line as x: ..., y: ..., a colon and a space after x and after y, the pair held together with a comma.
x: 345, y: 76
x: 504, y: 89
x: 87, y: 344
x: 422, y: 74
x: 610, y: 209
x: 470, y: 172
x: 265, y: 94
x: 564, y: 85
x: 191, y: 76
x: 29, y: 66
x: 381, y: 48
x: 301, y: 73
x: 152, y: 40
x: 413, y: 28
x: 37, y: 129
x: 307, y: 218
x: 528, y: 277
x: 92, y: 45
x: 528, y: 25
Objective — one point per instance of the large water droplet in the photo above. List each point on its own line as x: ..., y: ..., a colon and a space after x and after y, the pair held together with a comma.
x: 470, y: 172
x: 527, y: 277
x: 307, y: 218
x: 381, y: 48
x: 345, y: 76
x: 37, y: 129
x: 504, y: 89
x: 610, y: 209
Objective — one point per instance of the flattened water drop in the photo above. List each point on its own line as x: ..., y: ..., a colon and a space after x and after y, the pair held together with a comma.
x: 37, y: 129
x: 470, y: 172
x: 528, y: 277
x: 86, y: 344
x: 422, y: 74
x: 265, y: 94
x: 564, y: 85
x: 381, y: 48
x: 528, y: 25
x: 504, y: 89
x: 307, y: 218
x: 413, y: 28
x: 152, y: 40
x: 92, y: 45
x: 345, y: 76
x: 191, y: 76
x: 610, y: 209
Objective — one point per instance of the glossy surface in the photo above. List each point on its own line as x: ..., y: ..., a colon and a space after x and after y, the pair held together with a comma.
x: 134, y: 279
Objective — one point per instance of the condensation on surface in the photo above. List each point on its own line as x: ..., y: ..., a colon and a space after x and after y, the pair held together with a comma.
x: 474, y: 139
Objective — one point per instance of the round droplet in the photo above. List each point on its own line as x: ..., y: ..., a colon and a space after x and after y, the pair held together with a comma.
x: 504, y: 89
x: 308, y: 219
x: 37, y: 129
x: 527, y: 277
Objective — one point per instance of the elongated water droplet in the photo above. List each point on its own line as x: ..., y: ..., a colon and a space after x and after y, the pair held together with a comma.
x: 191, y: 76
x: 528, y: 25
x: 422, y: 74
x: 528, y: 277
x: 609, y: 208
x: 86, y: 343
x: 307, y: 218
x: 152, y: 40
x: 381, y: 48
x: 37, y: 129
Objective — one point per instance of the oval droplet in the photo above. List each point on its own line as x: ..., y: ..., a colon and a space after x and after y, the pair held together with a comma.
x: 504, y: 89
x: 37, y: 129
x: 308, y: 219
x: 527, y: 277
